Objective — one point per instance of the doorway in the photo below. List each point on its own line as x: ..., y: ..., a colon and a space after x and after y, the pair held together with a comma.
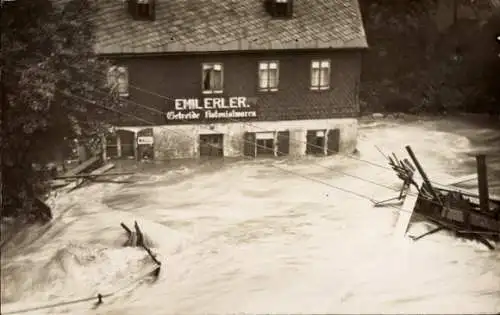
x: 212, y: 145
x: 127, y: 143
x: 145, y: 144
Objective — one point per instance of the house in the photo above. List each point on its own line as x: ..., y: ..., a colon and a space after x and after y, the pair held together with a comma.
x: 233, y: 78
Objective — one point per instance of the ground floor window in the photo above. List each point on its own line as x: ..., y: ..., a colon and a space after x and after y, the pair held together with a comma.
x: 128, y: 144
x: 211, y: 145
x: 265, y: 143
x: 274, y: 143
x: 321, y: 142
x: 316, y: 144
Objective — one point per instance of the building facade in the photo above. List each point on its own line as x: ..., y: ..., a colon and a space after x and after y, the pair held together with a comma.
x: 233, y: 78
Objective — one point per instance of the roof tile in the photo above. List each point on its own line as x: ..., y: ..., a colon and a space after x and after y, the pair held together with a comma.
x: 228, y: 25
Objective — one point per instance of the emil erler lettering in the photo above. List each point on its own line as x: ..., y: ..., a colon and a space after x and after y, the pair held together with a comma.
x: 211, y: 103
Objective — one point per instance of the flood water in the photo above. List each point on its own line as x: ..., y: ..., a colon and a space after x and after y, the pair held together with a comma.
x: 265, y: 236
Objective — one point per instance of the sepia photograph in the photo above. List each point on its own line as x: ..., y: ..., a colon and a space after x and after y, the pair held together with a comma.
x: 249, y: 157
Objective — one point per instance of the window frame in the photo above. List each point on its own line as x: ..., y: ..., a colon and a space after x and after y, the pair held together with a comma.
x: 320, y: 87
x: 115, y: 86
x: 203, y: 68
x: 268, y: 63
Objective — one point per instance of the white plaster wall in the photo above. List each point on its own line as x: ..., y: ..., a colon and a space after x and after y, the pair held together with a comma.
x: 181, y: 141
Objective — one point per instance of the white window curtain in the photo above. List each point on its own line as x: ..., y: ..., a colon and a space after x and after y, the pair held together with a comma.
x: 212, y: 78
x: 268, y: 75
x: 320, y: 74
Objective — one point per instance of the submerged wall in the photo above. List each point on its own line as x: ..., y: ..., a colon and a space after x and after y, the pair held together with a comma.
x: 182, y: 141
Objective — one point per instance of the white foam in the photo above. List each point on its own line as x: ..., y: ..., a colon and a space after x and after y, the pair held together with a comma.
x: 256, y: 239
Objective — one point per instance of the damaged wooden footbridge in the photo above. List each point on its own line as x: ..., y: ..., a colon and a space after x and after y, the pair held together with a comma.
x: 468, y: 214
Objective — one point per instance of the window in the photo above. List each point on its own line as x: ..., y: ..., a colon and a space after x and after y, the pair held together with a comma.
x: 320, y: 74
x: 265, y: 143
x: 268, y: 76
x: 316, y: 142
x: 211, y: 145
x: 212, y: 78
x: 142, y: 9
x: 118, y: 80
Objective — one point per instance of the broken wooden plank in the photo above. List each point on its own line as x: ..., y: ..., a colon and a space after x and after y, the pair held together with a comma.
x: 467, y: 192
x: 94, y: 175
x: 482, y: 182
x: 80, y: 168
x: 136, y: 238
x: 129, y: 232
x: 407, y: 209
x: 103, y: 169
x: 57, y: 183
x: 112, y: 181
x: 141, y: 243
x: 423, y: 175
x: 433, y: 231
x: 140, y: 236
x: 457, y: 180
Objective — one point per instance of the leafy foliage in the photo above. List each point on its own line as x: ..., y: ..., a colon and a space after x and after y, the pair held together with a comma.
x: 416, y: 65
x: 53, y: 89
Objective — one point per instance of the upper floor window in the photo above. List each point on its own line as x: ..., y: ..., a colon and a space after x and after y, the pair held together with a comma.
x: 212, y: 78
x: 118, y: 80
x: 320, y: 74
x: 268, y: 75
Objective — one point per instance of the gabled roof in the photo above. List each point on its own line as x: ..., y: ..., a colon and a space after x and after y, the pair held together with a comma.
x: 228, y: 25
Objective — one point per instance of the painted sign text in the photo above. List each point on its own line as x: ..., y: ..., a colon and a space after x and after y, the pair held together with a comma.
x: 211, y: 108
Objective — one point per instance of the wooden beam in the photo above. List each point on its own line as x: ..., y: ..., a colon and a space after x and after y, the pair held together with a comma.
x: 458, y: 180
x: 482, y: 181
x: 94, y: 175
x: 80, y: 168
x: 103, y: 169
x: 406, y: 212
x: 426, y: 180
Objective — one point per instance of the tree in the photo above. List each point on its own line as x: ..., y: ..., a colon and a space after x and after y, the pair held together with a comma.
x: 419, y: 61
x: 53, y: 88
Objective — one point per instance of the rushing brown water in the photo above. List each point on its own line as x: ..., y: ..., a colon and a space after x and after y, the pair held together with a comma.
x: 265, y: 236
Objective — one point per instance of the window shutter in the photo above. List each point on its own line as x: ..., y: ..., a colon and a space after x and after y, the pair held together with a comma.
x: 152, y: 10
x: 310, y: 138
x: 249, y: 146
x: 283, y: 143
x: 333, y: 141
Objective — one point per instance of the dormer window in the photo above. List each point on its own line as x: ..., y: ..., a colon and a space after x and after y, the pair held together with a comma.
x: 142, y: 9
x: 279, y: 8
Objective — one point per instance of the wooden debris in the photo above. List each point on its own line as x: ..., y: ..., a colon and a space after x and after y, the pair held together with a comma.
x: 440, y: 228
x: 405, y: 172
x: 406, y: 214
x: 459, y: 180
x: 136, y: 239
x: 57, y: 183
x: 82, y: 167
x: 468, y: 215
x: 94, y: 176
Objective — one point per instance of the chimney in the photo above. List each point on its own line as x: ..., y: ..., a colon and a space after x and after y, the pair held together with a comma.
x: 142, y: 9
x: 279, y: 8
